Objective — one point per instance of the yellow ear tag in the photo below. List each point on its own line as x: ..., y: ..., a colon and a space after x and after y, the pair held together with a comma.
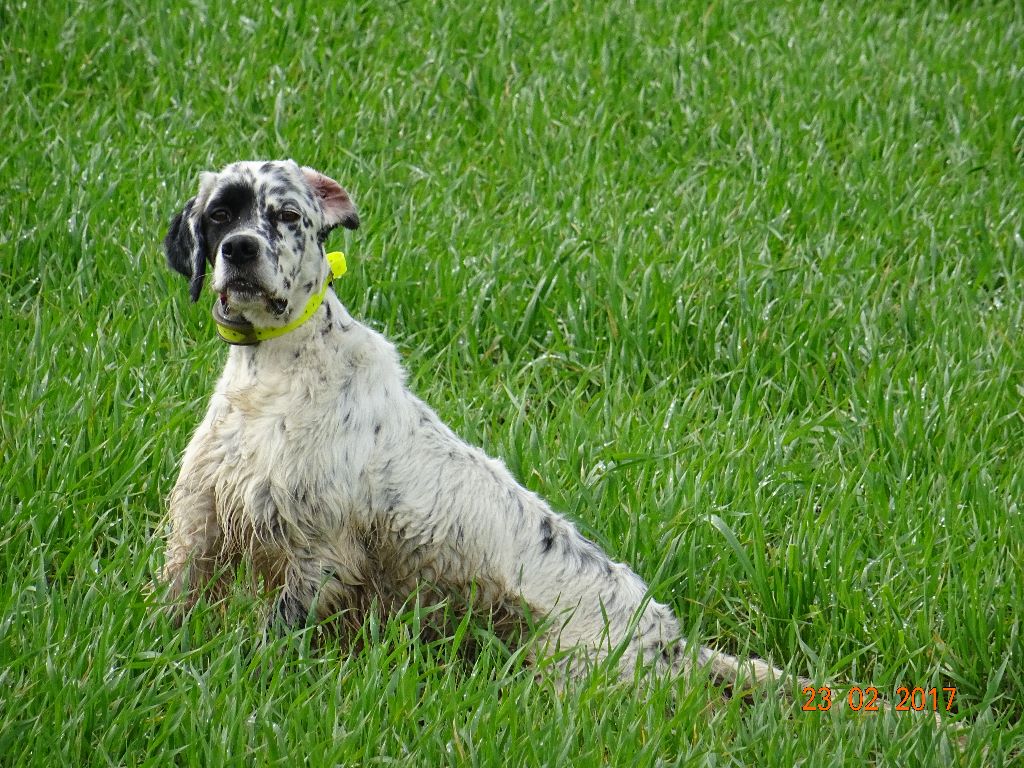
x: 336, y: 259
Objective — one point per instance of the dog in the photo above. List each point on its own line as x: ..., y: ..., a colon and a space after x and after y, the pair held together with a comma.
x: 340, y: 489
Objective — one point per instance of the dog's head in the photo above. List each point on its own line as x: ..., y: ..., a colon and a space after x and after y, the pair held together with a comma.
x: 261, y: 226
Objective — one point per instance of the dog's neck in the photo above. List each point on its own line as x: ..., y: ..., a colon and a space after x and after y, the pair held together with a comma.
x: 302, y: 348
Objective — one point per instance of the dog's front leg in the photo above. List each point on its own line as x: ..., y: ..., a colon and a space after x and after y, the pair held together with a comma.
x: 189, y: 560
x: 194, y: 538
x: 320, y: 582
x: 295, y: 606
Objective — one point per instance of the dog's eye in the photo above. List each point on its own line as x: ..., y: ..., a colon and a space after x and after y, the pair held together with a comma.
x: 220, y: 216
x: 288, y: 216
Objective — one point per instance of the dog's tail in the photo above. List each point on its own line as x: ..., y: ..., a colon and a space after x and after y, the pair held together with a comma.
x: 723, y: 668
x: 741, y: 676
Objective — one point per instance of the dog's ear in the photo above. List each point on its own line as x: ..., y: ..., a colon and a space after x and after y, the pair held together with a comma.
x: 337, y: 205
x: 185, y: 247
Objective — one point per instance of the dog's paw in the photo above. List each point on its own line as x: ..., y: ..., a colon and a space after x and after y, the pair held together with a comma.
x: 289, y: 613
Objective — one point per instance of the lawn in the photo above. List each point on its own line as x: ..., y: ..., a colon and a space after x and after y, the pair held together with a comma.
x: 735, y: 285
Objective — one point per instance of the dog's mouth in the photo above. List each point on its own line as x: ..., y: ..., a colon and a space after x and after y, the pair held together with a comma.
x: 239, y: 294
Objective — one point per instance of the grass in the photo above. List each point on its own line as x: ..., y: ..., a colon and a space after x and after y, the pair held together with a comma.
x: 736, y: 285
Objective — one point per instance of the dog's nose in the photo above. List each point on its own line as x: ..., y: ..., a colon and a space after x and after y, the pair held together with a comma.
x: 239, y: 249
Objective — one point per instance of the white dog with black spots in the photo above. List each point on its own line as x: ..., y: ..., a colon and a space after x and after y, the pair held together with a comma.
x: 338, y: 486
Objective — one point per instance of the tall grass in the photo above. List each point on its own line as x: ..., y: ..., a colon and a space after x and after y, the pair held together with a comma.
x: 736, y: 285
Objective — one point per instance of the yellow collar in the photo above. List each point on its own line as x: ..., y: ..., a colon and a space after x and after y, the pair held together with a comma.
x: 244, y: 333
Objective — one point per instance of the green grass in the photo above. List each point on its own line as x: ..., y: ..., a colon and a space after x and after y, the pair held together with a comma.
x: 736, y: 285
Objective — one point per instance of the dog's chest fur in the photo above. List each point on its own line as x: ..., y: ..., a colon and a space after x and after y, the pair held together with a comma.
x: 318, y: 447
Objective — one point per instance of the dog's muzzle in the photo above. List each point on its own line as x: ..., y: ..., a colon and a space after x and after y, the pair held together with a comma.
x: 244, y: 333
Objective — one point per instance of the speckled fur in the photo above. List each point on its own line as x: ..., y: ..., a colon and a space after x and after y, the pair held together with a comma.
x: 316, y: 464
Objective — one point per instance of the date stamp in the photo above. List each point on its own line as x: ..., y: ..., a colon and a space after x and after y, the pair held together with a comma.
x: 859, y: 699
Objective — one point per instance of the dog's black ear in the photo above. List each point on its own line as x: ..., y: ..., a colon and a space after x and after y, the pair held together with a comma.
x: 335, y: 201
x: 185, y: 247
